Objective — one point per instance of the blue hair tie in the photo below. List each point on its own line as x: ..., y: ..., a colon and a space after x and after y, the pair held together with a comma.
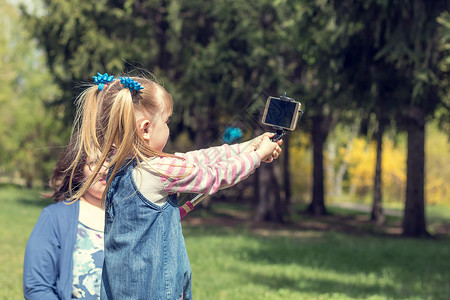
x: 129, y: 83
x: 232, y: 134
x: 102, y: 80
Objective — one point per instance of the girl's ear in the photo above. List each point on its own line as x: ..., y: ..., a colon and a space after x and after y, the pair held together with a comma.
x: 144, y: 127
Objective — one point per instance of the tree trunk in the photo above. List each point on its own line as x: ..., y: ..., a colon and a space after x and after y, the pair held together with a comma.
x: 269, y: 205
x: 286, y: 177
x: 340, y: 179
x: 29, y: 182
x: 377, y: 208
x: 267, y: 190
x: 317, y: 205
x: 414, y: 218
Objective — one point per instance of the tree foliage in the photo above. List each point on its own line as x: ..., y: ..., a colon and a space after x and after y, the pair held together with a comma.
x: 442, y: 112
x: 394, y: 60
x: 346, y: 61
x: 30, y: 132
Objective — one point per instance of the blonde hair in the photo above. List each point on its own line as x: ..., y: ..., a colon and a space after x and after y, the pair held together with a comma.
x: 106, y: 123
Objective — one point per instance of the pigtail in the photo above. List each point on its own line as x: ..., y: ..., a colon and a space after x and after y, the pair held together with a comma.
x: 121, y: 132
x: 89, y: 138
x: 106, y: 123
x: 86, y: 143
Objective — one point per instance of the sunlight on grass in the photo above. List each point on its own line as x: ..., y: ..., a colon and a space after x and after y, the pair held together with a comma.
x: 19, y: 210
x: 242, y: 263
x: 239, y: 265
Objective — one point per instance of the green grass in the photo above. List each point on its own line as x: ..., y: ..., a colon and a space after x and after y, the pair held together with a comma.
x: 237, y: 264
x: 19, y: 210
x: 270, y: 262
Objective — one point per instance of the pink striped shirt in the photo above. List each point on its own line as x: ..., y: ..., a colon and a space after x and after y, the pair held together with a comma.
x: 202, y: 171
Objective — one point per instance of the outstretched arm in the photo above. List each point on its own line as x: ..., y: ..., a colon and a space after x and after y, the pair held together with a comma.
x: 196, y: 177
x: 262, y: 145
x: 212, y: 154
x: 220, y: 153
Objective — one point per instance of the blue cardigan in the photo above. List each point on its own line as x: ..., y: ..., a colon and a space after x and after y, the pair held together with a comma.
x: 48, y: 264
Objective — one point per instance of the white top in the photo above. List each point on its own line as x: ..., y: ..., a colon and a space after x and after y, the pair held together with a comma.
x: 91, y: 216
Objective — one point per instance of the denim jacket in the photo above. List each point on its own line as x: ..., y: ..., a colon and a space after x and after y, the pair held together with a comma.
x: 145, y: 253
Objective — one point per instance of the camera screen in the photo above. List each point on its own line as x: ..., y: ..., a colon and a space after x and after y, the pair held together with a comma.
x: 280, y: 113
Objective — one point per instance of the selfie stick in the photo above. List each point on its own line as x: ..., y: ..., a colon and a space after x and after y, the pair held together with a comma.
x: 190, y: 204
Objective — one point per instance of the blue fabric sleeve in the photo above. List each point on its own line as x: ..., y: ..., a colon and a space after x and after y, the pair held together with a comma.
x: 41, y: 263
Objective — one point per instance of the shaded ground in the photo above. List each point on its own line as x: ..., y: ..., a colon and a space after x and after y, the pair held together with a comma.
x: 361, y: 207
x: 354, y: 220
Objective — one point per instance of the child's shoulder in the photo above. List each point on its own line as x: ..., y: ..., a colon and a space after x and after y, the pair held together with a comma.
x: 167, y: 166
x: 61, y: 207
x: 161, y: 160
x: 60, y: 211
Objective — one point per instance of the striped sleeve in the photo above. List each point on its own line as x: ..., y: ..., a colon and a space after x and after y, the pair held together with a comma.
x: 195, y: 176
x: 212, y: 154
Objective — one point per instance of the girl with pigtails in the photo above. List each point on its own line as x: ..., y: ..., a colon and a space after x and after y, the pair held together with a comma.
x: 126, y: 121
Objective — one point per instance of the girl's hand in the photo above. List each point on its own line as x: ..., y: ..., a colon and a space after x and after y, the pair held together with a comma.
x: 266, y: 149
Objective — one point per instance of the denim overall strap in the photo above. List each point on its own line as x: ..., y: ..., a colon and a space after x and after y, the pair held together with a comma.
x: 145, y: 253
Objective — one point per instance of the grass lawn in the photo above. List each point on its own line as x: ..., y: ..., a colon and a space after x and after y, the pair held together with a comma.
x: 19, y: 210
x: 234, y: 259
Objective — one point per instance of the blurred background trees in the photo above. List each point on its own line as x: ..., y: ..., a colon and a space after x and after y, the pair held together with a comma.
x: 31, y: 132
x: 372, y: 78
